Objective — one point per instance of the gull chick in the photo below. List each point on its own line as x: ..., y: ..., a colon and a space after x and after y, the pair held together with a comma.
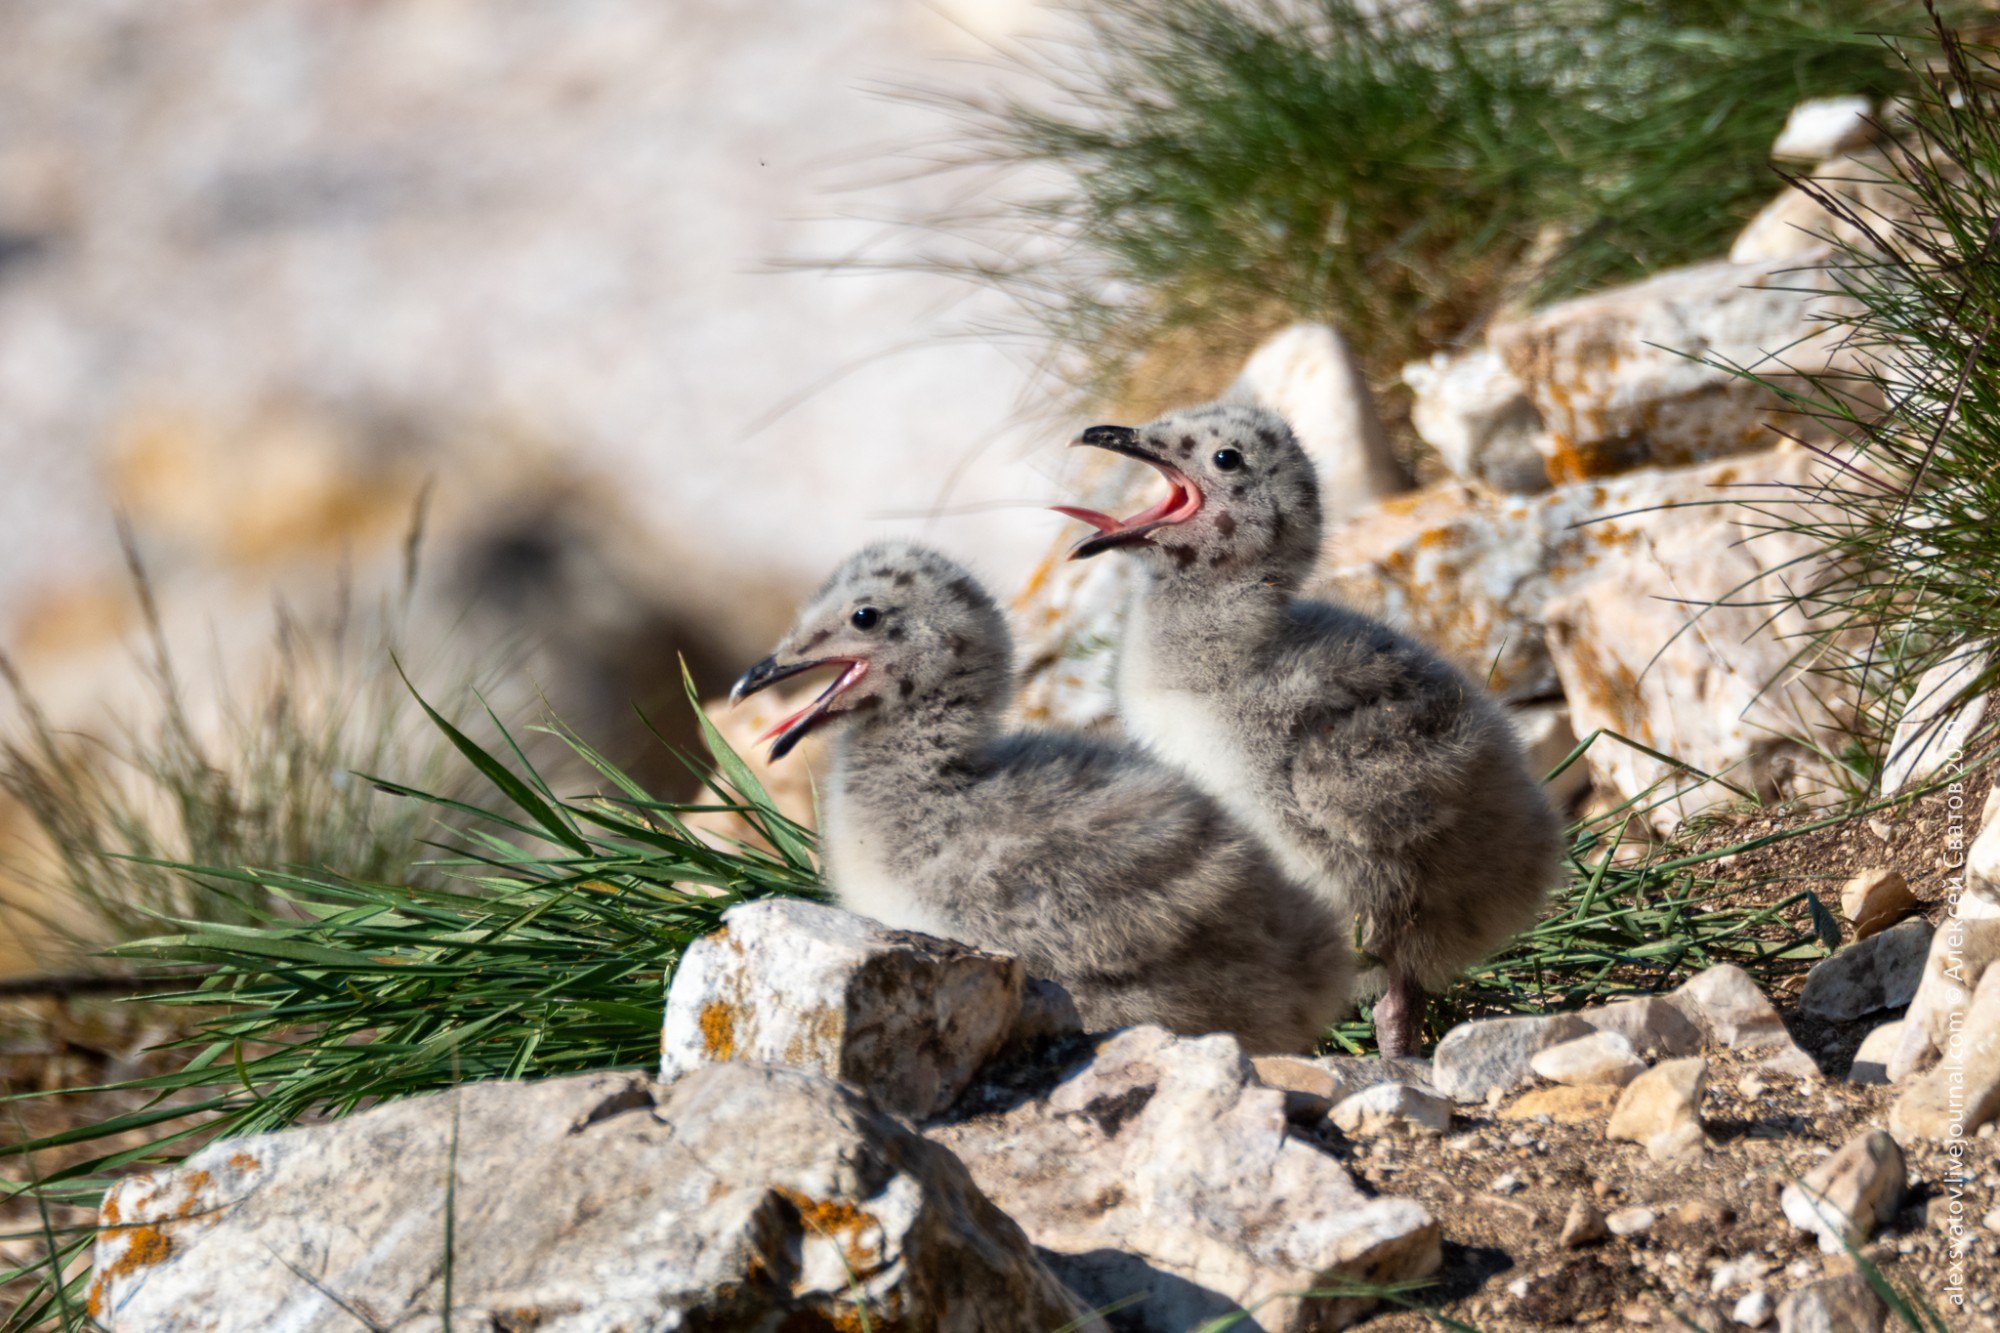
x: 1097, y: 865
x: 1378, y: 774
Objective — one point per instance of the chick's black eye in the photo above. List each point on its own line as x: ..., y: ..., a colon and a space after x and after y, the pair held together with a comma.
x: 1227, y: 460
x: 866, y: 617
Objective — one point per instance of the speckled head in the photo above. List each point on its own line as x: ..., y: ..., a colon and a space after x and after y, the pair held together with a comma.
x: 910, y: 631
x: 1243, y: 498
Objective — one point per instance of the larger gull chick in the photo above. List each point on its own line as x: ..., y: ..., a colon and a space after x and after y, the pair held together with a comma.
x: 1379, y: 774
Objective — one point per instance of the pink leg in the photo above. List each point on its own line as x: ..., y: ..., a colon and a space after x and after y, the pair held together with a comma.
x: 1399, y: 1016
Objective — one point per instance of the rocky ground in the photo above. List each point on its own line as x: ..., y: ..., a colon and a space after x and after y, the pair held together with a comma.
x: 1707, y: 1234
x: 1628, y: 1167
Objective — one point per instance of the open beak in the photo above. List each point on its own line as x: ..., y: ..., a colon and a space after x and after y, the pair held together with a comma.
x: 1183, y: 501
x: 793, y: 729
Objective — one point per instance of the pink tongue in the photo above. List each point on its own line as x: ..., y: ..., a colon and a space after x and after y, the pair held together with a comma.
x: 1102, y: 522
x: 784, y: 726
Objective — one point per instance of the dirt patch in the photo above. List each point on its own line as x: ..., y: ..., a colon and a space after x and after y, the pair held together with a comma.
x: 1506, y: 1269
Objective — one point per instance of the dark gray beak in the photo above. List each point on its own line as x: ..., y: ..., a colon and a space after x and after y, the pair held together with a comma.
x: 767, y: 673
x: 1118, y: 439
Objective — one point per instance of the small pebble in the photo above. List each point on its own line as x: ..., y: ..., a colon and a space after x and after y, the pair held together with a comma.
x: 1707, y: 1214
x: 1743, y: 1269
x: 1754, y: 1310
x: 1584, y: 1226
x: 1507, y: 1184
x: 1631, y: 1221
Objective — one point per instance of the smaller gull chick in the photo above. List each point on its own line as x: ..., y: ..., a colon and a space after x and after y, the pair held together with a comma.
x: 1098, y: 866
x: 1379, y: 774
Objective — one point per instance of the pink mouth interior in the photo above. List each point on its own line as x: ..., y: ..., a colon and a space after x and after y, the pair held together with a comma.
x: 857, y: 667
x: 1183, y: 502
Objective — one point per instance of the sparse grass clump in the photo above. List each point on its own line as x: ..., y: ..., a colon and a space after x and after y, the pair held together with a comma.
x: 258, y: 771
x: 1402, y: 170
x: 1907, y: 549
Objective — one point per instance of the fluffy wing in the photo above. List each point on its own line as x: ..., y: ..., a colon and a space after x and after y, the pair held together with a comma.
x: 1382, y: 739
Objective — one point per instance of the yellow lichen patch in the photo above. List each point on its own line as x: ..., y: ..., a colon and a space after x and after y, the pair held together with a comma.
x: 193, y: 1184
x: 144, y: 1246
x: 243, y: 1161
x: 718, y: 1029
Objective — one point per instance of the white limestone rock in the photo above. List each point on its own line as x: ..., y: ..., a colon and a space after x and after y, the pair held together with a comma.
x: 1681, y: 640
x: 909, y: 1019
x: 1660, y: 1110
x: 1754, y: 1310
x: 1472, y: 573
x: 1655, y: 1027
x: 1496, y: 1054
x: 1846, y: 1197
x: 1548, y: 738
x: 1735, y: 1015
x: 1159, y: 1166
x: 1314, y: 1085
x: 1962, y: 952
x: 1877, y: 899
x: 1961, y: 1093
x: 1981, y: 897
x: 1470, y: 408
x: 1392, y: 1108
x: 1871, y: 1061
x: 1844, y: 1304
x: 1937, y: 723
x: 1628, y: 1222
x: 1822, y: 127
x: 1308, y: 376
x: 1600, y: 1059
x: 1641, y: 374
x: 1868, y: 976
x: 738, y: 1197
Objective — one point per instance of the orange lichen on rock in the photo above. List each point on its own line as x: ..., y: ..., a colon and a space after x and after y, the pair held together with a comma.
x: 718, y: 1029
x: 144, y: 1246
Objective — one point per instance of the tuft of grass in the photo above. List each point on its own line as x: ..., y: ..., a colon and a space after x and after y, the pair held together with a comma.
x: 1405, y: 171
x: 266, y: 781
x: 1906, y: 551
